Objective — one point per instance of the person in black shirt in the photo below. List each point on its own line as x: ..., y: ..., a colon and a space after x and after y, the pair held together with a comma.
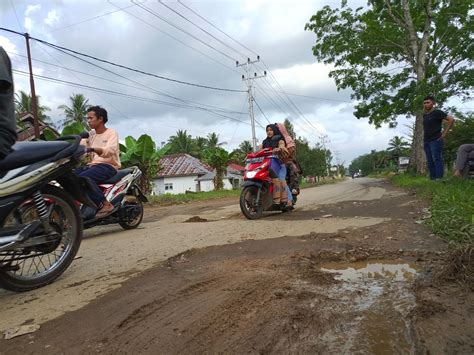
x: 434, y: 136
x: 7, y: 108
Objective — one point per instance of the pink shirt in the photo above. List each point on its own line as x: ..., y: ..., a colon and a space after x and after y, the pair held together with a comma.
x: 109, y: 143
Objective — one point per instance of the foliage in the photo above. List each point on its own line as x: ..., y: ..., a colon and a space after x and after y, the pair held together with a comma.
x: 181, y: 142
x: 314, y: 161
x: 397, y: 146
x: 218, y: 158
x: 393, y: 53
x: 24, y: 104
x: 461, y: 133
x: 241, y: 152
x: 289, y: 127
x: 452, y: 206
x: 77, y: 112
x: 173, y: 199
x: 374, y: 162
x: 142, y: 153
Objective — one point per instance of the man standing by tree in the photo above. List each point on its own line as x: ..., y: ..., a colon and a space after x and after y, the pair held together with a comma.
x: 7, y: 110
x: 433, y: 137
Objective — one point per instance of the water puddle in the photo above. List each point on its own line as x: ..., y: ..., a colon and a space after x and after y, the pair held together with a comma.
x: 394, y: 270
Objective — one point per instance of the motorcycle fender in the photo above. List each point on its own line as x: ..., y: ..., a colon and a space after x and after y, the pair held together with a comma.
x: 135, y: 190
x: 252, y: 183
x: 77, y: 187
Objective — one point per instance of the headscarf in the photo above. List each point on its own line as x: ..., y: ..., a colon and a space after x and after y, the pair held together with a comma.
x: 268, y: 142
x: 290, y: 143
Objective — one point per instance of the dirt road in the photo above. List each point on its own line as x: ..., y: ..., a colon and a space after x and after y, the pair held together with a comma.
x: 350, y: 270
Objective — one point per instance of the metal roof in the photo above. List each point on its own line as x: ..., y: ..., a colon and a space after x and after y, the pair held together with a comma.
x: 182, y: 165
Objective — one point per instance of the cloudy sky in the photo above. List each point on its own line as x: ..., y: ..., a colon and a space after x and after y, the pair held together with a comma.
x: 195, y: 42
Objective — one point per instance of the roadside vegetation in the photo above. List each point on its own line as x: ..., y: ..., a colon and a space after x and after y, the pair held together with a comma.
x: 452, y: 206
x: 169, y: 199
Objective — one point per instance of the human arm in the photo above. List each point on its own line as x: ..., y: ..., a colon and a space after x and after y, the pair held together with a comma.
x: 109, y: 149
x: 450, y: 123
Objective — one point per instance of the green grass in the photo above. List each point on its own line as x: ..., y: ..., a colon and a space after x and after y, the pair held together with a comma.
x: 452, y: 205
x: 169, y: 199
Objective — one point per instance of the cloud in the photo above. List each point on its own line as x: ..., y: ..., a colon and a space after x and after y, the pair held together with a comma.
x: 8, y: 45
x: 31, y: 9
x: 52, y: 18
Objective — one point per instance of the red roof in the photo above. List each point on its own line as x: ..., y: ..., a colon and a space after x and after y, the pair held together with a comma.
x: 236, y: 167
x: 182, y: 165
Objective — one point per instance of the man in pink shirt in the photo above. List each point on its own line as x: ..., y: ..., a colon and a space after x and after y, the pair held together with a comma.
x: 103, y: 146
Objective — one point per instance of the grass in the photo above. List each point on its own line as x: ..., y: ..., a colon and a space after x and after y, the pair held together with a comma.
x: 169, y: 199
x: 452, y: 206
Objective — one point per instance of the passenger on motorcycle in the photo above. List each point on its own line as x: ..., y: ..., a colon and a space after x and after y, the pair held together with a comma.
x: 281, y: 194
x: 293, y: 168
x: 7, y: 108
x: 103, y: 147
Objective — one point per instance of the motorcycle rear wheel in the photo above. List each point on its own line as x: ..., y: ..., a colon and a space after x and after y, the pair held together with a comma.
x: 131, y: 223
x: 36, y: 266
x: 248, y: 204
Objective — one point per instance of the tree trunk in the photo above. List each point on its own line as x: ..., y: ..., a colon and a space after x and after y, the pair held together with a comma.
x: 218, y: 183
x: 417, y: 157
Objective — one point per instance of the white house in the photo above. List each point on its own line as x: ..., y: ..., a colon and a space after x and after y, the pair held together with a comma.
x: 183, y: 173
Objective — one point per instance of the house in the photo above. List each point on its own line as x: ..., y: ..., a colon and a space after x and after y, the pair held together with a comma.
x: 25, y: 128
x: 183, y: 173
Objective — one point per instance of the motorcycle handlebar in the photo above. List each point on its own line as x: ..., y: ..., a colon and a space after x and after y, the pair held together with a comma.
x: 69, y: 150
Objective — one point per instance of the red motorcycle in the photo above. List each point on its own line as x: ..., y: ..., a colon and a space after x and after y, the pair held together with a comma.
x: 257, y: 193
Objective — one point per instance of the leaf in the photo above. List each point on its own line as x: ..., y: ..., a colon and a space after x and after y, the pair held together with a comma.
x: 73, y: 128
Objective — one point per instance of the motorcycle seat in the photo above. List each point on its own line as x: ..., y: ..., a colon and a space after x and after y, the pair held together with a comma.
x: 117, y: 177
x: 25, y: 153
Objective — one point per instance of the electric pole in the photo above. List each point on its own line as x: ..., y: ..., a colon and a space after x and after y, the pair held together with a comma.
x: 249, y: 81
x: 34, y: 102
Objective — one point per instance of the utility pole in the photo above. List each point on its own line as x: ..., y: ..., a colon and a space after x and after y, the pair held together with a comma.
x: 34, y: 103
x: 325, y: 139
x: 249, y: 81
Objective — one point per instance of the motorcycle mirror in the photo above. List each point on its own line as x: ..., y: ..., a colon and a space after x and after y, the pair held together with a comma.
x: 84, y: 134
x: 276, y: 138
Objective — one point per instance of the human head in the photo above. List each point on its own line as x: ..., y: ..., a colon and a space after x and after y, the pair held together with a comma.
x: 272, y: 130
x: 96, y: 116
x: 428, y: 102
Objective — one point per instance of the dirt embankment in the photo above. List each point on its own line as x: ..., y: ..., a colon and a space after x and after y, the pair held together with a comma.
x: 373, y: 289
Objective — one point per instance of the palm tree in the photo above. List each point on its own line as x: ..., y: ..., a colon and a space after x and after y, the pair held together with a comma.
x: 213, y: 140
x: 182, y: 142
x: 200, y: 144
x: 241, y: 152
x: 24, y: 104
x: 77, y: 112
x: 218, y: 158
x: 397, y: 146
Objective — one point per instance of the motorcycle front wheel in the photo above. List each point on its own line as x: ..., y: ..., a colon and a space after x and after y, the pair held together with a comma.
x: 248, y: 203
x: 27, y: 268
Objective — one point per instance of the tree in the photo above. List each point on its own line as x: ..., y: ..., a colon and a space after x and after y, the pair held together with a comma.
x: 289, y: 127
x: 24, y: 104
x: 213, y: 140
x: 77, y: 112
x: 394, y: 52
x: 397, y: 146
x: 142, y: 153
x: 182, y: 142
x: 241, y: 152
x: 218, y: 158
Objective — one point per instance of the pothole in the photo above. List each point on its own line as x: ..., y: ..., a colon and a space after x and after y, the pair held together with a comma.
x: 196, y: 219
x: 395, y: 270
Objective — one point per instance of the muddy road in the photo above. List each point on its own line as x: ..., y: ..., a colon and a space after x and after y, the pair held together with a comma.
x: 351, y: 270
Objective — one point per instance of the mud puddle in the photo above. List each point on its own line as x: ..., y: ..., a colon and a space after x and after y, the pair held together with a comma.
x: 374, y: 299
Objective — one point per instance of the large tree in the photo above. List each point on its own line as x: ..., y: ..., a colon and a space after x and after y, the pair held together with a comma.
x: 181, y: 142
x: 77, y: 111
x: 393, y: 52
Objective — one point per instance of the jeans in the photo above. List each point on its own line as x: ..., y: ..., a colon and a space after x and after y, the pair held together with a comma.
x: 434, y: 157
x: 96, y: 174
x: 282, y: 176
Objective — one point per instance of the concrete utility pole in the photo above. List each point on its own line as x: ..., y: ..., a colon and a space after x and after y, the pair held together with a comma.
x: 249, y: 81
x: 34, y: 103
x: 324, y: 140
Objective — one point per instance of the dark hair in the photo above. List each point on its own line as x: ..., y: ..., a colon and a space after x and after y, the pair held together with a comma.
x: 429, y: 97
x: 99, y: 112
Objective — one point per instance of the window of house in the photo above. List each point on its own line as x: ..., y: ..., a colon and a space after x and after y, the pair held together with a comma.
x: 169, y: 187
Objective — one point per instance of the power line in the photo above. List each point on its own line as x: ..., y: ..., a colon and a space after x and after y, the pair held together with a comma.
x: 123, y: 66
x: 177, y: 39
x: 311, y: 97
x: 16, y: 15
x: 92, y: 18
x: 183, y: 30
x: 203, y: 30
x: 217, y: 28
x: 264, y: 115
x: 69, y: 83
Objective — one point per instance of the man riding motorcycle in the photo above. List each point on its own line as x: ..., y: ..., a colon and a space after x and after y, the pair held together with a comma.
x: 103, y: 147
x: 7, y: 106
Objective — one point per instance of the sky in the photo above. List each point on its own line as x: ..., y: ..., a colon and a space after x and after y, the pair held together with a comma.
x: 196, y: 42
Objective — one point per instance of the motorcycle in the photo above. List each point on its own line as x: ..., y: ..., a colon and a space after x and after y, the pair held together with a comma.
x: 41, y: 226
x: 257, y: 193
x: 123, y: 192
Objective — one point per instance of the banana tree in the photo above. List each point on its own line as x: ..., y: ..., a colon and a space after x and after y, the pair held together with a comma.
x: 218, y: 158
x: 142, y: 152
